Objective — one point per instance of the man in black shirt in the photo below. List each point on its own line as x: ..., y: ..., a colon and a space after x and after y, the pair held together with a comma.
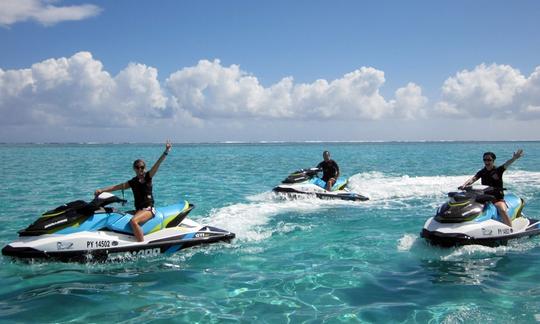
x: 141, y: 185
x: 493, y: 176
x: 330, y: 170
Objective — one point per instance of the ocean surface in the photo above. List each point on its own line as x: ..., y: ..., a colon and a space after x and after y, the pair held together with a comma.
x: 293, y: 261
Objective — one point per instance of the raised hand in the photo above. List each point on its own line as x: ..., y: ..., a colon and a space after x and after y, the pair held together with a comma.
x: 517, y: 154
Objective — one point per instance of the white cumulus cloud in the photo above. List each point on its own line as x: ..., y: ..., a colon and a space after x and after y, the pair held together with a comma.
x: 410, y: 103
x: 77, y: 91
x: 43, y: 11
x: 499, y: 91
x: 210, y: 90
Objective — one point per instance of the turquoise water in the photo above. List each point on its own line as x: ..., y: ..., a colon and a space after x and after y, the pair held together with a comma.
x: 293, y: 260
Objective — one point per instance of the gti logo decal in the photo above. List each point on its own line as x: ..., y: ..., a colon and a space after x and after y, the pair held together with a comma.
x: 64, y: 245
x: 487, y: 231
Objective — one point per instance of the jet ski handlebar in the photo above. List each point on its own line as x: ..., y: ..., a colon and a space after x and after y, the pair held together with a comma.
x: 480, y: 194
x: 308, y: 171
x: 106, y: 198
x: 312, y: 171
x: 479, y: 189
x: 301, y: 175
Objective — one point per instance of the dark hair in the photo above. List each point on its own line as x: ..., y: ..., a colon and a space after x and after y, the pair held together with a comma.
x: 325, y: 152
x: 137, y: 162
x: 493, y: 156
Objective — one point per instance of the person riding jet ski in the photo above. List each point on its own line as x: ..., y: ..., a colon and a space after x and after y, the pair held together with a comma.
x: 470, y: 217
x: 492, y: 176
x: 330, y: 170
x: 141, y: 185
x: 306, y: 182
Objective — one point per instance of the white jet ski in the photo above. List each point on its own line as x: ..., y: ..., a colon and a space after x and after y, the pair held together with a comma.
x: 306, y: 182
x: 92, y: 232
x: 469, y: 217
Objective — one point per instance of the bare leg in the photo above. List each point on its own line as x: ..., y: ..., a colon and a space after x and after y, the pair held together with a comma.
x: 140, y: 216
x: 330, y: 183
x: 501, y: 207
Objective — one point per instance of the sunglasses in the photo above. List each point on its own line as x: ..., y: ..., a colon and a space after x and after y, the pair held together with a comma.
x: 140, y: 167
x: 488, y: 160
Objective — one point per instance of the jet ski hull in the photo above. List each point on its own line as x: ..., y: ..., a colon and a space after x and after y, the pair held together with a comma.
x: 104, y: 246
x: 491, y: 233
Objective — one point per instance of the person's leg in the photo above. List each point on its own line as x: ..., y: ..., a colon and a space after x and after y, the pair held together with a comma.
x: 140, y: 216
x: 501, y: 207
x: 330, y: 183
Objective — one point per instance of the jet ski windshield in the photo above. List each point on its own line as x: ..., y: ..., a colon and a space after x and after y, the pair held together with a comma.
x: 465, y: 205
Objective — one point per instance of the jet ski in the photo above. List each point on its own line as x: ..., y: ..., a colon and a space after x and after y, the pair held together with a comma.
x: 470, y: 217
x: 93, y: 232
x: 306, y: 182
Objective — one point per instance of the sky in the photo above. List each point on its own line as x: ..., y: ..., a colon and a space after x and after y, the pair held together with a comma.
x: 217, y: 71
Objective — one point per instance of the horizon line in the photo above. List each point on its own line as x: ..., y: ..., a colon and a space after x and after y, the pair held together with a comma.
x: 270, y: 142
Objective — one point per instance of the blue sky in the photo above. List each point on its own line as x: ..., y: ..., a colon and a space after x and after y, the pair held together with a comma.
x: 282, y: 70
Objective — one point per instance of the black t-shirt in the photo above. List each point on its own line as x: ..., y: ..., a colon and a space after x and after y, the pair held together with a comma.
x: 330, y: 169
x: 142, y: 192
x: 493, y: 177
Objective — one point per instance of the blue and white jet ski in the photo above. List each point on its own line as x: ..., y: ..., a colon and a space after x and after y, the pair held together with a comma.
x: 91, y: 232
x: 469, y: 217
x: 306, y: 182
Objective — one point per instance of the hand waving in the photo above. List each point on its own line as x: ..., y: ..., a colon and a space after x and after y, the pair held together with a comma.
x: 518, y: 154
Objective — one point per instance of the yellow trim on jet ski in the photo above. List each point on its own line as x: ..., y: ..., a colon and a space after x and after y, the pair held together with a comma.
x: 66, y: 226
x: 45, y: 215
x: 518, y: 210
x: 343, y: 185
x: 459, y: 204
x: 169, y: 219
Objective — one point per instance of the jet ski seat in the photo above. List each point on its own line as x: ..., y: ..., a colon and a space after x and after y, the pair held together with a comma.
x: 163, y: 217
x: 339, y: 185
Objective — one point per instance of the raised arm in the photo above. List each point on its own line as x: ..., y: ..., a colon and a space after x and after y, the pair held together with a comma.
x: 517, y: 155
x: 120, y: 186
x: 156, y: 165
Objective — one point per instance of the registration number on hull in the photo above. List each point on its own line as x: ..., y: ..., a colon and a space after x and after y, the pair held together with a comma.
x: 98, y: 244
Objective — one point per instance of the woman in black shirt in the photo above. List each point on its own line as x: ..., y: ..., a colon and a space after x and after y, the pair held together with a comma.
x: 493, y: 176
x: 141, y: 185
